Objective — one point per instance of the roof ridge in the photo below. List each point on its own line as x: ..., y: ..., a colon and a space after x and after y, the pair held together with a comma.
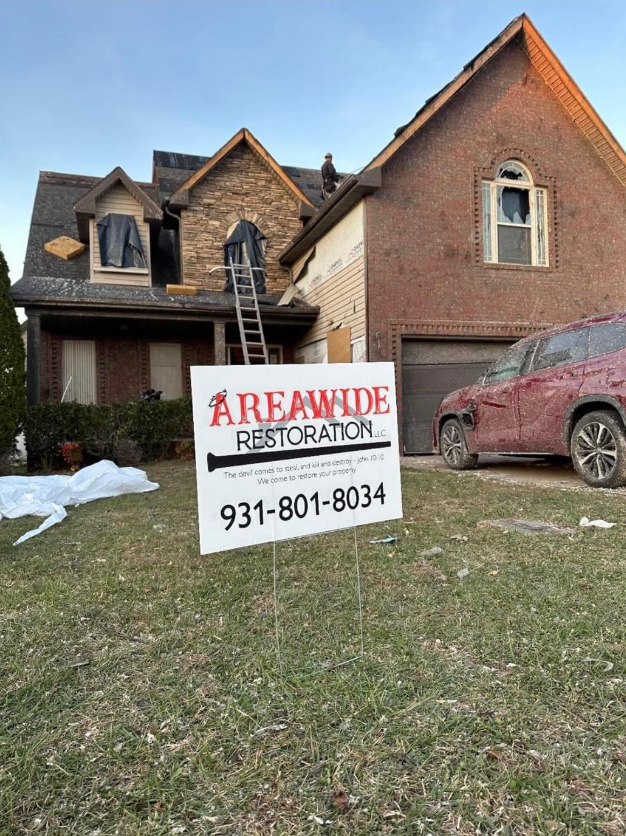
x: 56, y: 176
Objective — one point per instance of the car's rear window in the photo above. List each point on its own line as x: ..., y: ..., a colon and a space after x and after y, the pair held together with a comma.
x: 561, y: 349
x: 606, y: 338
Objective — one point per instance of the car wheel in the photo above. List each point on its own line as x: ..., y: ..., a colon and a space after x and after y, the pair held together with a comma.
x: 454, y: 448
x: 598, y: 448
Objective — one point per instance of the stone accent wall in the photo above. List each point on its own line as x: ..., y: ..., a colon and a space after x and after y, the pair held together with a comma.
x: 242, y: 185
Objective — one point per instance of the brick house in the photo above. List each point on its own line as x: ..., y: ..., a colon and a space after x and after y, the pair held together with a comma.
x: 497, y: 210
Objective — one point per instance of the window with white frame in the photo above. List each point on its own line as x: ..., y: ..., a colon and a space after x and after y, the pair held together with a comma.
x: 515, y: 224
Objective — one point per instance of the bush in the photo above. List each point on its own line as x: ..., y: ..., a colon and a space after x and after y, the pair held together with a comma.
x: 12, y: 373
x: 126, y: 453
x: 100, y: 430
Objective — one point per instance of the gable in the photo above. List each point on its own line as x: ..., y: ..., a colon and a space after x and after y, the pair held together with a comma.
x: 180, y: 198
x: 576, y: 105
x: 85, y: 207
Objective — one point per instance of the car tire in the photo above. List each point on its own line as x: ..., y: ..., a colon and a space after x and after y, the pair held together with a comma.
x: 598, y: 448
x: 453, y: 446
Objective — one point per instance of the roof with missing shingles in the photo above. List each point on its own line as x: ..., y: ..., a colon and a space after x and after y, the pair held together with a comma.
x: 48, y: 278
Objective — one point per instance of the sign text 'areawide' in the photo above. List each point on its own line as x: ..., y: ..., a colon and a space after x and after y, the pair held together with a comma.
x: 284, y: 423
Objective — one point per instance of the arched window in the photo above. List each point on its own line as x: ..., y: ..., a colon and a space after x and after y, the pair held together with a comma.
x: 515, y: 229
x: 246, y: 244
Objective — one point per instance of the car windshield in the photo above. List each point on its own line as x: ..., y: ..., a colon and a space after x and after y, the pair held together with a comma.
x: 511, y: 364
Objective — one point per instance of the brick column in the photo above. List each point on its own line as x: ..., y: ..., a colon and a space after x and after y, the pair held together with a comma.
x: 219, y: 343
x: 33, y: 339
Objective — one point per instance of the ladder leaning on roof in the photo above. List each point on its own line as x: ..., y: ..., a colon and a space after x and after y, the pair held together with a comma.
x: 248, y: 314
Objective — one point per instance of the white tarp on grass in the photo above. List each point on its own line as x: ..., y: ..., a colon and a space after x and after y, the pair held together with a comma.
x: 47, y: 496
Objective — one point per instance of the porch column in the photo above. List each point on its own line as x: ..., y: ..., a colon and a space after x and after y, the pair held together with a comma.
x: 33, y: 334
x: 219, y: 343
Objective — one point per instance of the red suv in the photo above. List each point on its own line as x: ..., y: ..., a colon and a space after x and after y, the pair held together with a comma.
x: 560, y: 393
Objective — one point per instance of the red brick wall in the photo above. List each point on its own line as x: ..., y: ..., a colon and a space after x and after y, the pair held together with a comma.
x: 424, y: 255
x: 123, y: 363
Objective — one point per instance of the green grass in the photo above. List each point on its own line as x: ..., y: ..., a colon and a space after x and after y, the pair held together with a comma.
x: 479, y: 706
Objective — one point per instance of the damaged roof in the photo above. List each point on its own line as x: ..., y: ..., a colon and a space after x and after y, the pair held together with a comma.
x: 67, y: 292
x: 172, y: 169
x: 554, y: 74
x: 48, y: 279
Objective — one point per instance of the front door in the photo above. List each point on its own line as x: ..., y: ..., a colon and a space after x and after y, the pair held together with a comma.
x: 166, y: 369
x: 496, y: 419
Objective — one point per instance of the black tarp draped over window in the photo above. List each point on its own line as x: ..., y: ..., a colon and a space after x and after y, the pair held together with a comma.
x: 120, y: 244
x: 246, y: 243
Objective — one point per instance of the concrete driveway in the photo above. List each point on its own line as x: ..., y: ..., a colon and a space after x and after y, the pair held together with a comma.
x: 518, y: 469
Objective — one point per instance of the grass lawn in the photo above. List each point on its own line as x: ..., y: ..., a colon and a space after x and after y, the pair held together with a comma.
x: 140, y: 691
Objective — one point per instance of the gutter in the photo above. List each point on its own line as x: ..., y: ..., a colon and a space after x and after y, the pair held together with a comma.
x: 267, y: 311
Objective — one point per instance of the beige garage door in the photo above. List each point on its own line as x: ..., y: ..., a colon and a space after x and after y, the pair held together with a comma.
x: 166, y: 369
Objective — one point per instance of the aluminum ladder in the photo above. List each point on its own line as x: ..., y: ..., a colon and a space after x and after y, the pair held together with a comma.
x: 248, y: 315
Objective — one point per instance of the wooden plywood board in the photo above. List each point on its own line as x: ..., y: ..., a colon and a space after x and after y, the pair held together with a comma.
x: 64, y: 247
x: 339, y: 347
x: 180, y: 290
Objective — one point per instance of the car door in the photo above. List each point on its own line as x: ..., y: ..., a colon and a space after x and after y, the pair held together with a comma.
x: 496, y: 420
x: 604, y: 370
x: 549, y: 387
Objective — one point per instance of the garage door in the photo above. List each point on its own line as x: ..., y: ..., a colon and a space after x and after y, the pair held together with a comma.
x: 431, y: 369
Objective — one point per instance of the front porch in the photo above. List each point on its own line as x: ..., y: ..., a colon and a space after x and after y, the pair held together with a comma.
x: 108, y: 357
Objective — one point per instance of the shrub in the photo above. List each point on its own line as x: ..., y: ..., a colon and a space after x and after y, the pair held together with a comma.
x: 185, y: 449
x: 151, y: 426
x: 12, y: 373
x: 126, y: 453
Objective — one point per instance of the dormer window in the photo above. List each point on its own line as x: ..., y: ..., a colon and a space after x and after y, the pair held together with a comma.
x: 120, y: 244
x: 514, y: 218
x: 117, y: 219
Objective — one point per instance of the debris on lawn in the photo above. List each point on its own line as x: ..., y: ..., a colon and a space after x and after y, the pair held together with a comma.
x: 431, y: 552
x: 47, y: 496
x: 344, y: 801
x: 526, y: 526
x: 159, y: 527
x: 585, y: 522
x: 387, y: 539
x: 274, y: 729
x: 459, y: 538
x: 320, y: 820
x: 463, y: 573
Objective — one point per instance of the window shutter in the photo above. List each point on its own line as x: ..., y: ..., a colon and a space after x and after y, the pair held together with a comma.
x: 542, y: 226
x: 487, y: 253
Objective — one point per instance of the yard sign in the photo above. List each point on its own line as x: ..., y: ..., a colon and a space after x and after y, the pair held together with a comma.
x: 285, y: 451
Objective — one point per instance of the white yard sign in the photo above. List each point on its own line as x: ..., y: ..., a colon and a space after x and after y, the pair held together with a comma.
x: 284, y: 451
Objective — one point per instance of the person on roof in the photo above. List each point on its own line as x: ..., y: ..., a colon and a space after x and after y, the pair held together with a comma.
x: 330, y: 178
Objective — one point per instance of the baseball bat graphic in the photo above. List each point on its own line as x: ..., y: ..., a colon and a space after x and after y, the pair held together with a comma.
x: 217, y: 462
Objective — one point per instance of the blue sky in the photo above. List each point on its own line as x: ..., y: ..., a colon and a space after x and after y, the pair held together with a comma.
x: 90, y: 85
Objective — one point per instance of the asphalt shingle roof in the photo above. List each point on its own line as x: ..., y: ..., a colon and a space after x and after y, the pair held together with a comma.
x: 47, y: 277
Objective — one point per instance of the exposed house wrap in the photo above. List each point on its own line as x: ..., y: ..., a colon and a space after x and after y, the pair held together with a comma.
x: 333, y: 279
